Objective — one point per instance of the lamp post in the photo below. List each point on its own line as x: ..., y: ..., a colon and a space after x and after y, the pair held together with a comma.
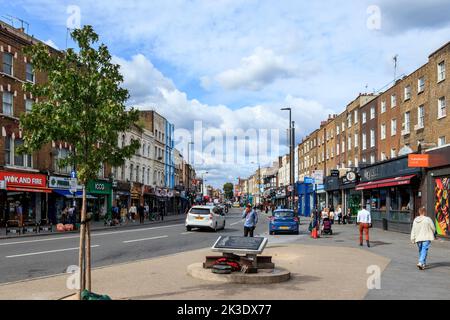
x: 203, y: 183
x: 189, y: 166
x: 291, y: 153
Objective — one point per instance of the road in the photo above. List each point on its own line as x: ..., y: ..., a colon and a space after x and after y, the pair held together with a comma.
x: 29, y: 258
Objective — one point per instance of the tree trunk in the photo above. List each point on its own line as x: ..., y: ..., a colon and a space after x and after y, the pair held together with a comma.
x: 88, y: 256
x: 81, y: 258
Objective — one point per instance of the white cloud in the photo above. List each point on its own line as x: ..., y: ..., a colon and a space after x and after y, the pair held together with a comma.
x: 257, y: 70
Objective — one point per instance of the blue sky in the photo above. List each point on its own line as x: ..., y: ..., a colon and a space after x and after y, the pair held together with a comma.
x: 233, y: 64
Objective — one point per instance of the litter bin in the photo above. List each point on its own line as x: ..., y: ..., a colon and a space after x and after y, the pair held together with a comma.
x: 385, y: 224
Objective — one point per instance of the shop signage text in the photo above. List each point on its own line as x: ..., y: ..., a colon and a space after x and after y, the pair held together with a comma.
x: 23, y: 179
x: 418, y: 160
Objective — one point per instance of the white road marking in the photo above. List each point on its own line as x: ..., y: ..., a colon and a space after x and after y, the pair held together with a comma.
x: 92, y: 235
x: 145, y: 239
x: 45, y: 252
x: 233, y: 224
x: 186, y: 233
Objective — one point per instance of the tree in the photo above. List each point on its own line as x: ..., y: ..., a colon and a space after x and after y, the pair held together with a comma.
x: 82, y: 104
x: 228, y: 189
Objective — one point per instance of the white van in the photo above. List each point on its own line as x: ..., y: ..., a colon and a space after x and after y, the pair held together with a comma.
x: 209, y: 217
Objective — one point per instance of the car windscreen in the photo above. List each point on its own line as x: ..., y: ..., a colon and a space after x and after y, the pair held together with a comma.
x: 200, y: 211
x: 283, y: 214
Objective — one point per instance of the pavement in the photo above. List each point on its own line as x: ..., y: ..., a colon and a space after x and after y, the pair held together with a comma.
x: 332, y: 267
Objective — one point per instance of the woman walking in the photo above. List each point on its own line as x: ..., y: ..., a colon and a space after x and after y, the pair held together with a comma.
x: 422, y: 233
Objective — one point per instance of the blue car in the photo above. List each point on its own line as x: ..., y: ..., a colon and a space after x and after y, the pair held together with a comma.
x: 284, y: 220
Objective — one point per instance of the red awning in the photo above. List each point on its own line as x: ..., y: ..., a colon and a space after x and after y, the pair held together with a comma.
x: 398, y: 181
x: 29, y: 190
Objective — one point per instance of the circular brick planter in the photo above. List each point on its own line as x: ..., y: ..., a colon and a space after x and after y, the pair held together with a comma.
x: 266, y: 276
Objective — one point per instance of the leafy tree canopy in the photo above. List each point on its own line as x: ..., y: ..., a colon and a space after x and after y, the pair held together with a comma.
x: 82, y: 104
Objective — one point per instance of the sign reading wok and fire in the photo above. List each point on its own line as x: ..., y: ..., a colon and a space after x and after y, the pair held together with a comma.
x: 20, y: 181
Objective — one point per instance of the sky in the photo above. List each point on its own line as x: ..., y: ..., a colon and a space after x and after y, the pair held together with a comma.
x: 229, y: 66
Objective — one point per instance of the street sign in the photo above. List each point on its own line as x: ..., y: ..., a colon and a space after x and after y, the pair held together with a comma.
x: 73, y: 184
x: 73, y: 174
x: 308, y: 180
x: 318, y: 176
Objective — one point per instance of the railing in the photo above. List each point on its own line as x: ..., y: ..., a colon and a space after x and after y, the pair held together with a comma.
x: 377, y: 215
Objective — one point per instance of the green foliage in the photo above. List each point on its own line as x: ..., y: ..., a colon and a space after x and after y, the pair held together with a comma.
x: 82, y: 103
x: 228, y: 189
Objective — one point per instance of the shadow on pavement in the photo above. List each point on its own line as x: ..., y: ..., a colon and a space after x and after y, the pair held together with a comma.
x: 439, y: 265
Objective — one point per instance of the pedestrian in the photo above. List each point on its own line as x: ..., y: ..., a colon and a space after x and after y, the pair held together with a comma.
x: 251, y: 219
x: 19, y: 212
x: 339, y: 213
x: 124, y: 214
x: 422, y: 234
x: 332, y: 214
x: 141, y: 212
x: 364, y: 221
x: 325, y: 213
x: 132, y: 212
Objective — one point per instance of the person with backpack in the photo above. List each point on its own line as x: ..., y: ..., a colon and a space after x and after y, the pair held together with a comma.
x: 423, y: 233
x: 251, y: 219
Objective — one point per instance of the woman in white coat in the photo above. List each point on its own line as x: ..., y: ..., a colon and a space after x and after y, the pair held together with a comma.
x: 422, y: 233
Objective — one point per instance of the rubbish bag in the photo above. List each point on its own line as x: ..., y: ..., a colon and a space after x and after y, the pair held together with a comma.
x: 87, y: 295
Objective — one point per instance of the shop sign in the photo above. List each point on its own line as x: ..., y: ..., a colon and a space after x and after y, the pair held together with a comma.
x: 318, y: 176
x: 24, y: 180
x: 99, y: 187
x: 308, y: 180
x: 334, y: 173
x: 61, y: 183
x: 418, y: 160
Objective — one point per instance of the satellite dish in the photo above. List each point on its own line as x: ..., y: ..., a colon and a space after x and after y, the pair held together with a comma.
x: 405, y: 150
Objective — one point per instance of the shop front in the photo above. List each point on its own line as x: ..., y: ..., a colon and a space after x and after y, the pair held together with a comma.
x: 100, y: 201
x: 436, y: 188
x: 389, y: 190
x: 334, y: 194
x: 61, y: 198
x: 351, y: 196
x: 136, y: 194
x: 23, y: 198
x: 122, y: 194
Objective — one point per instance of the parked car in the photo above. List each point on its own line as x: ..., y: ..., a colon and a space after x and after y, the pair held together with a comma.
x: 284, y: 220
x: 205, y: 217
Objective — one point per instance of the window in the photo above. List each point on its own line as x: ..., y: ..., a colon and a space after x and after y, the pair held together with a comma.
x: 364, y: 117
x: 421, y: 85
x: 442, y: 112
x: 343, y: 126
x: 143, y: 175
x: 28, y: 105
x: 8, y: 103
x: 337, y: 130
x: 441, y: 71
x: 393, y: 153
x: 356, y: 140
x: 29, y: 72
x: 393, y: 127
x: 393, y: 101
x: 364, y: 159
x: 383, y: 106
x: 137, y: 174
x: 8, y: 63
x: 356, y: 116
x: 349, y: 143
x: 349, y: 120
x: 407, y: 123
x: 383, y: 156
x: 122, y: 174
x: 383, y: 131
x: 131, y: 172
x: 372, y: 138
x: 337, y: 149
x: 349, y: 163
x: 343, y: 146
x: 364, y: 141
x: 12, y: 157
x: 61, y: 154
x: 356, y: 162
x: 420, y: 116
x: 372, y: 113
x: 441, y: 141
x: 372, y: 159
x: 407, y: 92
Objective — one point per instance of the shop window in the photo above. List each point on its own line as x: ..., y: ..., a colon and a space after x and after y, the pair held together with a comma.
x: 393, y: 197
x: 383, y: 197
x: 405, y: 199
x: 12, y: 157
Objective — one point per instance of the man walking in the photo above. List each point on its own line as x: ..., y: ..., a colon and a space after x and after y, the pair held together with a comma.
x: 422, y: 233
x: 364, y: 221
x: 141, y: 212
x: 251, y: 219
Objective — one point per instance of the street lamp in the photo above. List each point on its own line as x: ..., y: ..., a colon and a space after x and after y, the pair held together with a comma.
x: 203, y: 183
x: 259, y: 181
x: 189, y: 164
x: 291, y: 153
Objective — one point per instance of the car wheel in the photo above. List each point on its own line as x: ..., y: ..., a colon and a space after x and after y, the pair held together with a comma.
x: 188, y: 228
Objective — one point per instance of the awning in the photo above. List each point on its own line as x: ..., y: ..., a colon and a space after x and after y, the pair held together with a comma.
x: 29, y: 190
x: 398, y: 181
x: 68, y: 194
